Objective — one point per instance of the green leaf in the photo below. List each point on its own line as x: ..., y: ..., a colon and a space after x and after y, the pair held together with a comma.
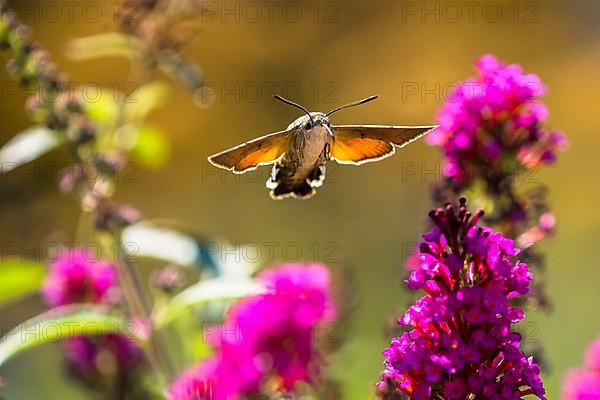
x: 174, y: 243
x: 27, y: 146
x: 104, y: 45
x: 204, y: 292
x: 19, y: 279
x: 144, y: 100
x: 151, y: 148
x: 159, y: 240
x: 62, y: 323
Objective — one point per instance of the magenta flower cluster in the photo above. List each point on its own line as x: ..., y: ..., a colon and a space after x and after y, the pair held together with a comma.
x: 266, y: 340
x: 491, y: 119
x: 460, y: 342
x: 79, y: 277
x: 584, y: 383
x: 196, y: 383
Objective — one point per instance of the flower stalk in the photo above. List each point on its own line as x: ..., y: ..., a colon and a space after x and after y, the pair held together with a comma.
x: 492, y: 133
x: 64, y: 113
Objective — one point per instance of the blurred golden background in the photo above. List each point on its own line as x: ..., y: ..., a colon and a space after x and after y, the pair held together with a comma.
x: 333, y: 52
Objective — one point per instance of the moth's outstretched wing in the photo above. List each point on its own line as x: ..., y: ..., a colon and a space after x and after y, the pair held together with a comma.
x: 359, y: 144
x: 247, y: 156
x: 359, y: 150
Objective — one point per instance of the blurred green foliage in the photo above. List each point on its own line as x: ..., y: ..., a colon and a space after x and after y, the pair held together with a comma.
x: 20, y: 279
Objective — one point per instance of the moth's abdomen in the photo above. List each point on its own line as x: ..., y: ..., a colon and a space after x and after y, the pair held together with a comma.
x: 303, y: 168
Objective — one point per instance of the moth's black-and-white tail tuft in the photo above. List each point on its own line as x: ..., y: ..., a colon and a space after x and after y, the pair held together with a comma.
x: 298, y: 191
x: 284, y: 189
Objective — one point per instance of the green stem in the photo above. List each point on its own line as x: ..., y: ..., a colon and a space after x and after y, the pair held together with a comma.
x: 65, y: 119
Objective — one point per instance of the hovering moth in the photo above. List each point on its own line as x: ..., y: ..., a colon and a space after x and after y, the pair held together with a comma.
x: 300, y: 152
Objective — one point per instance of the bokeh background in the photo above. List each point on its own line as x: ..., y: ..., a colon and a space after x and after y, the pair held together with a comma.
x: 363, y: 218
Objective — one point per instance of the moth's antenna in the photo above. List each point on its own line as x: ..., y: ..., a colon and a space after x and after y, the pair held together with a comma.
x: 291, y: 103
x: 356, y: 103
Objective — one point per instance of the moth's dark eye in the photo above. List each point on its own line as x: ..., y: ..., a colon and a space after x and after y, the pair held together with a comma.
x: 308, y: 125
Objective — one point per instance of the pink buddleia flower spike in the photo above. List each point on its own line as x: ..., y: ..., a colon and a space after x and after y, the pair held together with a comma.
x: 267, y: 340
x: 460, y: 342
x: 493, y: 137
x: 79, y: 277
x: 493, y: 118
x: 195, y: 383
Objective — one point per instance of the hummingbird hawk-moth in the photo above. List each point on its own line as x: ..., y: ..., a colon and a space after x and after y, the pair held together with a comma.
x: 301, y: 151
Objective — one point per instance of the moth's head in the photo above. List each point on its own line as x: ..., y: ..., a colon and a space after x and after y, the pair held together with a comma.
x: 312, y: 119
x: 308, y: 122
